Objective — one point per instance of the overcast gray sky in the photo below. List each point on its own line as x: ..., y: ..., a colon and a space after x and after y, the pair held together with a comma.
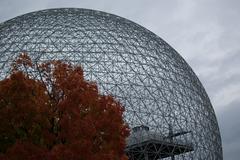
x: 205, y: 32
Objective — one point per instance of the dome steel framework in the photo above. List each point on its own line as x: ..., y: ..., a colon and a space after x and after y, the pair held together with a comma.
x: 166, y: 105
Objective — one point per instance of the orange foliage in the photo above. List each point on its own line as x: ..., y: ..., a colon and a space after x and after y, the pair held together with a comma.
x: 48, y: 111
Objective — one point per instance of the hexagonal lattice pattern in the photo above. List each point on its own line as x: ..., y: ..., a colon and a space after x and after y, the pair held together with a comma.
x: 154, y: 83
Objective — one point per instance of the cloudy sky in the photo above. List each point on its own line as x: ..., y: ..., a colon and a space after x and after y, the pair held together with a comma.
x: 205, y: 32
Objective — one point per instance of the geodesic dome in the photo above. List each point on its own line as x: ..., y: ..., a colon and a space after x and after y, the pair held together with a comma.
x: 166, y: 105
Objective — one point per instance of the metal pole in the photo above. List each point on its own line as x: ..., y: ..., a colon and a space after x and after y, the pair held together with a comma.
x: 145, y: 156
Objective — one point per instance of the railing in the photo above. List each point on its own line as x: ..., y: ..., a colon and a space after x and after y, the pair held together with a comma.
x: 143, y: 136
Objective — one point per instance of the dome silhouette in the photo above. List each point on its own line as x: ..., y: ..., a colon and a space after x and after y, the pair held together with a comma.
x: 167, y: 108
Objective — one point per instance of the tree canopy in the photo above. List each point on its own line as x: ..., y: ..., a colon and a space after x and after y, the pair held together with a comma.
x: 49, y: 111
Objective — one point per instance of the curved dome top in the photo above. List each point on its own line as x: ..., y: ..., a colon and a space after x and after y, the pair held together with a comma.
x: 154, y: 83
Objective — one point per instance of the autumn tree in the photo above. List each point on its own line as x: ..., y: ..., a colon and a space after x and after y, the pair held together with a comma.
x: 49, y: 111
